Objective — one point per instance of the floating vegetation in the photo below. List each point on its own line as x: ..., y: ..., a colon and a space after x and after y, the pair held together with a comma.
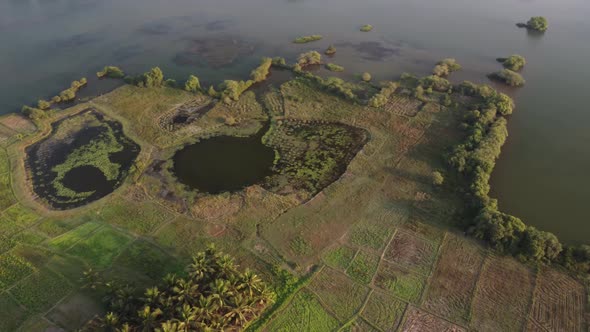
x: 366, y: 28
x: 307, y: 39
x: 85, y: 158
x: 331, y: 50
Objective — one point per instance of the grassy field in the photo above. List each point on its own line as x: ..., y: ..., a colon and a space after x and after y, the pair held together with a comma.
x: 380, y: 237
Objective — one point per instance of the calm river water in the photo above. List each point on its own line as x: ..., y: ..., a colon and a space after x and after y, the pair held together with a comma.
x: 543, y: 175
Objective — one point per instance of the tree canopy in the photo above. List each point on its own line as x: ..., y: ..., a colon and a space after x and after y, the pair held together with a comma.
x: 215, y: 296
x: 538, y: 23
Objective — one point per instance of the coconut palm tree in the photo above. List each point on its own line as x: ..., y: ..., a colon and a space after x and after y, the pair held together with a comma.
x: 149, y: 318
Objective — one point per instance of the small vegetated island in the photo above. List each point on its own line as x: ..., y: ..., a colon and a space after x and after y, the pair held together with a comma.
x: 340, y: 205
x: 536, y: 23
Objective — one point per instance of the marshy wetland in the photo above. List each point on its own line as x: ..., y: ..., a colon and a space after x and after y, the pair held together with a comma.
x: 84, y: 158
x: 349, y: 200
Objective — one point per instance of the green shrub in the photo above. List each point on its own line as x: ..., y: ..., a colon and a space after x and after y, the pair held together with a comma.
x: 381, y: 98
x: 538, y: 23
x: 309, y: 58
x: 43, y: 104
x: 331, y: 50
x: 446, y: 66
x: 366, y: 77
x: 192, y: 84
x: 437, y: 178
x: 509, y: 77
x: 514, y: 62
x: 111, y: 72
x: 261, y: 72
x: 334, y: 67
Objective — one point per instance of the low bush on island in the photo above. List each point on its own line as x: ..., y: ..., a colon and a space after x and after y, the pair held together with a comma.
x: 446, y: 66
x: 334, y: 67
x: 331, y: 50
x: 110, y: 72
x: 514, y: 62
x: 307, y: 39
x: 509, y: 77
x: 192, y: 84
x: 309, y: 58
x: 536, y: 23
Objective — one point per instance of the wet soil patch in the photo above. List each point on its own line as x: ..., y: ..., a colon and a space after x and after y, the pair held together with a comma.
x: 85, y: 158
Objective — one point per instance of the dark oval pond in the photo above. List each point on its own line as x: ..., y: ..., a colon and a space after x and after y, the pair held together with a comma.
x: 88, y: 178
x: 224, y: 163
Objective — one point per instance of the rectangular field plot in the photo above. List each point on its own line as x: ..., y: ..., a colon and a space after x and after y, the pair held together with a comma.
x: 453, y: 283
x: 419, y: 321
x: 384, y: 311
x: 399, y: 281
x: 412, y: 252
x: 6, y: 196
x: 558, y: 302
x: 304, y: 313
x: 12, y: 314
x: 363, y: 267
x: 402, y: 105
x: 69, y: 239
x: 12, y: 269
x: 101, y: 247
x: 75, y: 311
x: 369, y: 235
x: 343, y: 296
x: 148, y: 259
x: 41, y: 290
x: 339, y: 257
x: 502, y: 296
x: 4, y: 161
x: 140, y: 218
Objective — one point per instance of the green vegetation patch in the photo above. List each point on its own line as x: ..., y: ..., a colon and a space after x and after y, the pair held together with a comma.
x: 383, y: 311
x: 12, y: 314
x: 41, y: 290
x: 363, y: 267
x: 12, y: 269
x: 514, y: 62
x: 69, y: 239
x: 101, y: 247
x: 400, y: 282
x: 148, y: 259
x: 305, y: 313
x: 339, y: 257
x: 343, y: 296
x: 307, y: 39
x: 140, y: 218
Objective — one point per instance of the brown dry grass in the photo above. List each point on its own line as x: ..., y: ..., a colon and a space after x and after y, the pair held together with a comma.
x: 452, y: 284
x: 503, y: 295
x: 412, y: 252
x: 558, y: 302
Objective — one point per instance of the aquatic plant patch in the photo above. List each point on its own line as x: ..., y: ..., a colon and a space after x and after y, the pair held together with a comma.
x: 313, y: 154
